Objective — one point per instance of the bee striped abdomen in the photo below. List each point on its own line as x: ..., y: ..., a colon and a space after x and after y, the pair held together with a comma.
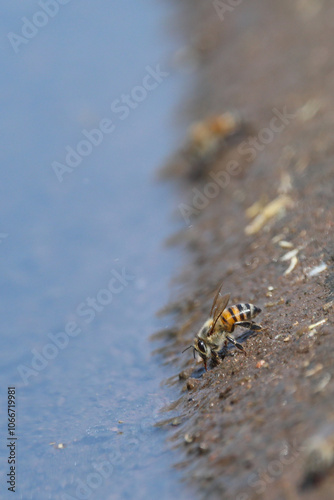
x: 237, y: 313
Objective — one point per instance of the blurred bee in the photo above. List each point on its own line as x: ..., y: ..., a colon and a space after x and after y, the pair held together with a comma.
x: 217, y: 330
x: 205, y: 141
x: 205, y: 136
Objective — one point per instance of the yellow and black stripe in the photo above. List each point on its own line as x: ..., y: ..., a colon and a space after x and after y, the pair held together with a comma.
x: 238, y: 313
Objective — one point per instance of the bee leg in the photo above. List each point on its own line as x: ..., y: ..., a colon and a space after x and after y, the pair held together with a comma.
x: 222, y: 353
x: 249, y: 324
x: 215, y: 358
x: 234, y: 342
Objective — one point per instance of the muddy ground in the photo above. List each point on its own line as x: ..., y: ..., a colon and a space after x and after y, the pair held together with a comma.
x: 259, y: 426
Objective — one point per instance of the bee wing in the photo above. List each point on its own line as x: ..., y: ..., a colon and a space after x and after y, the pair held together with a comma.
x: 215, y: 300
x: 218, y: 306
x: 219, y: 302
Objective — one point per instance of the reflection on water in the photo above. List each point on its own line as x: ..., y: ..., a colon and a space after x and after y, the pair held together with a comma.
x: 82, y: 265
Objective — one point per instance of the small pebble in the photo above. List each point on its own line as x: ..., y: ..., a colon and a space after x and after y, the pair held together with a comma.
x: 323, y: 383
x: 285, y: 244
x: 262, y: 364
x: 59, y: 446
x: 319, y: 454
x: 190, y: 385
x: 317, y: 368
x: 317, y: 270
x: 188, y: 438
x: 328, y: 305
x: 311, y: 327
x: 203, y: 447
x: 290, y: 255
x: 225, y: 393
x: 183, y: 375
x: 293, y: 263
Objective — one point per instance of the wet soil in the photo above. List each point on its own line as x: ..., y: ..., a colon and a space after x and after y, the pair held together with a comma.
x: 266, y: 232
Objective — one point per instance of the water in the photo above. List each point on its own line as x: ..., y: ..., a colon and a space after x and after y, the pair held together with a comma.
x: 82, y: 268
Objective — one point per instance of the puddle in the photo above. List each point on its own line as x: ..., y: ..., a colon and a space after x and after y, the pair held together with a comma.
x: 83, y: 269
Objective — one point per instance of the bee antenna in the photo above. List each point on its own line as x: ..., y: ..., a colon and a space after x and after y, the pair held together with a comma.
x: 186, y: 349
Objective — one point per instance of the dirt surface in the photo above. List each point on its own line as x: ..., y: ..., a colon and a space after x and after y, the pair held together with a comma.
x: 260, y: 426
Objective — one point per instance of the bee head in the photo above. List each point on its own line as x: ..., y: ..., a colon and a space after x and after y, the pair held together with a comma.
x: 201, y: 347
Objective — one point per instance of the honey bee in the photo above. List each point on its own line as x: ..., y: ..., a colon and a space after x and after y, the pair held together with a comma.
x: 217, y: 330
x: 206, y: 140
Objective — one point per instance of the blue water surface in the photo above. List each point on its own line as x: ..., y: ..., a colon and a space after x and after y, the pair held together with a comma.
x: 83, y: 270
